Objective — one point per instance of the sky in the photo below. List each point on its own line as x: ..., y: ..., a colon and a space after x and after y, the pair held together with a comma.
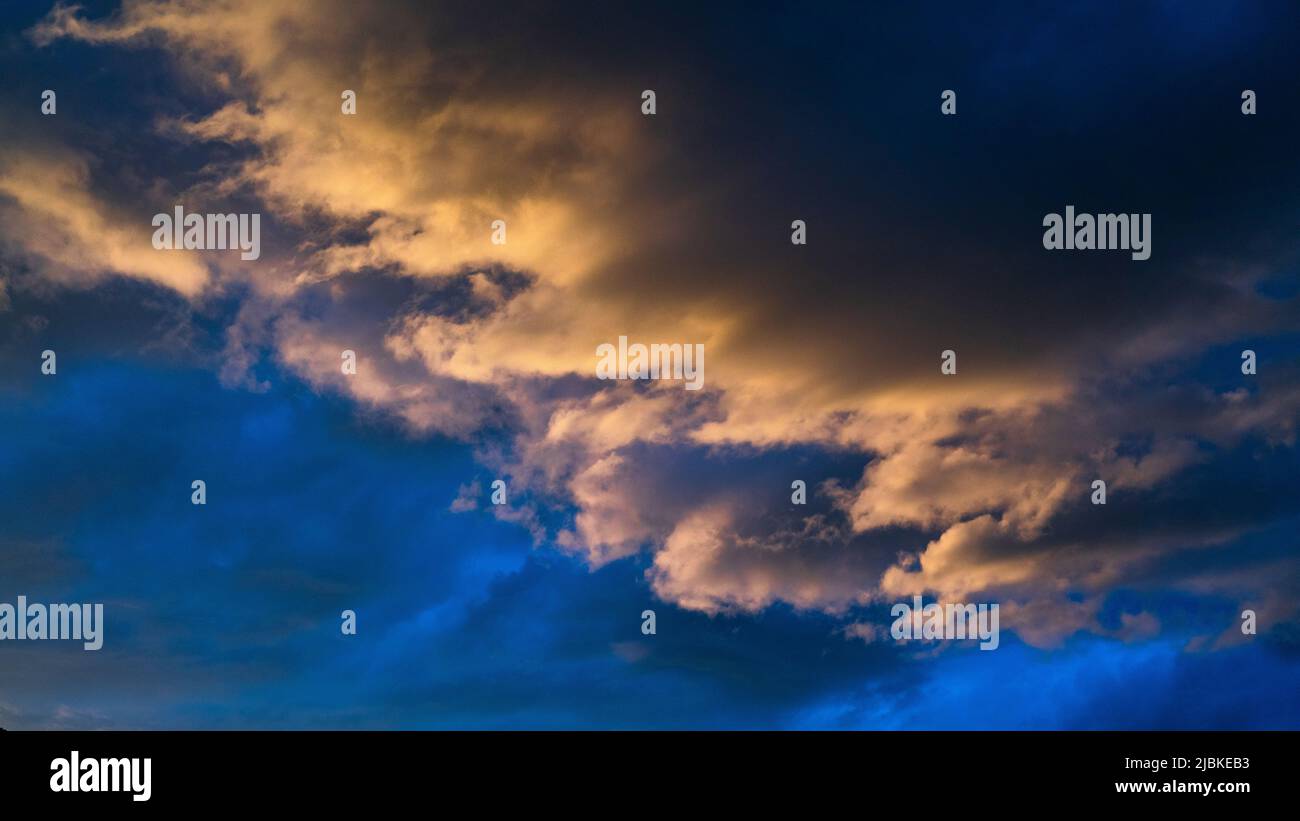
x: 371, y: 491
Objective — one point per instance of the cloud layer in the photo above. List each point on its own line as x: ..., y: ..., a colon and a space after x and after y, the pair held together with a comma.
x: 822, y: 360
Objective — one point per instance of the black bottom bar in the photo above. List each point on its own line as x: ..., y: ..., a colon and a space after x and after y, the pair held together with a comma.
x: 670, y: 771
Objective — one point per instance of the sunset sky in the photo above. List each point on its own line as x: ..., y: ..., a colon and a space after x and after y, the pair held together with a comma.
x: 476, y: 362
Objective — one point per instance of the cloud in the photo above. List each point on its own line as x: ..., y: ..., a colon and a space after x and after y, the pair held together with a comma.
x: 50, y: 214
x: 621, y: 225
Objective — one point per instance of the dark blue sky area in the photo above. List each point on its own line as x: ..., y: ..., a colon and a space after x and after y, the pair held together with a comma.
x: 227, y: 615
